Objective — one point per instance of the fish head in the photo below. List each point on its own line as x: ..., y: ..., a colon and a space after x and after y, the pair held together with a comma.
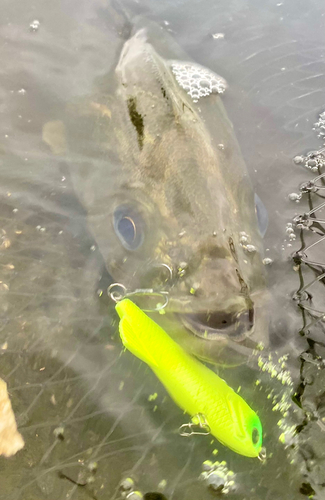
x: 192, y: 224
x: 180, y: 214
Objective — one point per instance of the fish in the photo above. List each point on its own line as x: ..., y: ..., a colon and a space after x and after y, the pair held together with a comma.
x: 156, y: 163
x: 195, y: 388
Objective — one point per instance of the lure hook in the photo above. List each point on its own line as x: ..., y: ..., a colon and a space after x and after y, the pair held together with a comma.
x: 262, y: 455
x: 170, y: 276
x: 198, y: 421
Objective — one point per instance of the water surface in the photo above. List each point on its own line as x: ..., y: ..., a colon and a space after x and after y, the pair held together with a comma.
x: 84, y: 410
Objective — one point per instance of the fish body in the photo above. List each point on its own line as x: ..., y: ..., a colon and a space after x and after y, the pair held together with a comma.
x: 168, y: 196
x: 195, y: 388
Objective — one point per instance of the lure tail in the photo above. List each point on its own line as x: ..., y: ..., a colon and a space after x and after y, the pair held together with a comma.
x: 134, y: 333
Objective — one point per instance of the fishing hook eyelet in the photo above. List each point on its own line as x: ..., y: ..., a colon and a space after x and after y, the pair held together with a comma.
x: 262, y: 455
x: 115, y: 295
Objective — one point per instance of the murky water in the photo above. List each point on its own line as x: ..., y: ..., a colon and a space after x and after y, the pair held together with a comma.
x: 86, y: 412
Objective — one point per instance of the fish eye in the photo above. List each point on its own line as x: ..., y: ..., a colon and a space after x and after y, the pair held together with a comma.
x: 255, y: 436
x: 261, y: 214
x: 129, y: 227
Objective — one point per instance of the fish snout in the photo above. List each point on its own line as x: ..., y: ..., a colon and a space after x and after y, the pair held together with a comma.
x: 221, y: 305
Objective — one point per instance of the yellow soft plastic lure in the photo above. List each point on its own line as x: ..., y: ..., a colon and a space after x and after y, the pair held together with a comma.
x: 194, y: 387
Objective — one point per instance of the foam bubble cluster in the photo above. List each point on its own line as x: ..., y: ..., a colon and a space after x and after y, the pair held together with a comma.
x: 218, y: 477
x: 314, y: 160
x: 197, y: 81
x: 244, y: 241
x: 320, y: 126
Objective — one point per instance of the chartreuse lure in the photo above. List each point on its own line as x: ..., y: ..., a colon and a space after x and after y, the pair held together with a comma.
x: 194, y: 387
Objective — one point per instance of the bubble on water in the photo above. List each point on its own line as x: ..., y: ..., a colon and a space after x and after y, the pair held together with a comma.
x: 127, y: 484
x: 196, y: 80
x: 290, y: 231
x: 134, y: 495
x: 243, y: 238
x: 303, y: 221
x: 319, y: 126
x: 276, y: 369
x: 244, y: 241
x: 162, y: 485
x: 216, y: 481
x: 280, y: 398
x: 250, y: 248
x: 4, y: 240
x: 267, y: 261
x: 314, y: 160
x: 59, y: 432
x: 22, y: 91
x: 298, y: 159
x: 34, y: 25
x: 218, y: 477
x: 294, y: 197
x: 307, y: 187
x: 4, y: 287
x: 218, y: 36
x: 92, y: 466
x: 207, y: 465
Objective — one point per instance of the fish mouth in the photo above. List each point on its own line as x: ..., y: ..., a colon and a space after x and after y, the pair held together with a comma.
x: 220, y: 325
